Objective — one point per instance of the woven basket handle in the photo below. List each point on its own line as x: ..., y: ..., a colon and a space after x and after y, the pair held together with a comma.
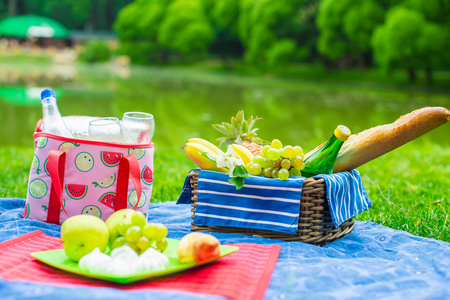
x: 128, y: 167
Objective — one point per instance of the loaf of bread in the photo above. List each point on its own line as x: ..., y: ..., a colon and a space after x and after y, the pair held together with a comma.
x: 365, y: 146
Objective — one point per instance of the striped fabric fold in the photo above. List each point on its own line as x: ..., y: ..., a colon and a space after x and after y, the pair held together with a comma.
x: 346, y: 195
x: 270, y: 204
x: 262, y: 203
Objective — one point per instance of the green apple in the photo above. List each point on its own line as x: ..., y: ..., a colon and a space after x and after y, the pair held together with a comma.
x: 81, y: 234
x: 120, y: 216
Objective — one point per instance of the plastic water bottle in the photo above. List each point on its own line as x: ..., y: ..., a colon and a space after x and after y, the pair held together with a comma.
x: 323, y: 159
x: 52, y: 120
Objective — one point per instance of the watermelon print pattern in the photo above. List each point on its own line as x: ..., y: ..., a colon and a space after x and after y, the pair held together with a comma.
x: 26, y: 211
x: 89, y: 187
x: 108, y: 199
x: 45, y: 167
x: 76, y: 191
x: 110, y: 159
x: 147, y: 175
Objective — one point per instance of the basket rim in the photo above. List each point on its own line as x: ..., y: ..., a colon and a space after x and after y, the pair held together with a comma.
x: 315, y: 225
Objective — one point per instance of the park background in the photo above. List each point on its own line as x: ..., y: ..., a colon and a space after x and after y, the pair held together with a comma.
x: 303, y: 66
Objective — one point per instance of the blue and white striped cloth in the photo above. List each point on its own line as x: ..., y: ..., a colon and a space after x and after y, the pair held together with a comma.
x: 262, y: 203
x: 346, y: 195
x: 270, y: 204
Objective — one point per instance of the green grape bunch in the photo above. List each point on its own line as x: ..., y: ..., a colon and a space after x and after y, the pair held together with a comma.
x: 277, y: 161
x: 138, y: 234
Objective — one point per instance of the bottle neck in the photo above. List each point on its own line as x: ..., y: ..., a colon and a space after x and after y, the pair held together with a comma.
x: 49, y: 106
x: 333, y: 142
x: 49, y: 101
x: 325, y: 150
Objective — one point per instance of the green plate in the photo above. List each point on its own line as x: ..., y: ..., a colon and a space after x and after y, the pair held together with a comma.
x: 59, y: 259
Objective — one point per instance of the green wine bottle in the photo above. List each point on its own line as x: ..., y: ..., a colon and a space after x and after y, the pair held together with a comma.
x: 323, y: 159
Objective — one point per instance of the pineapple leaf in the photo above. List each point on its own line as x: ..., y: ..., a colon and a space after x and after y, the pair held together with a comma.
x: 250, y: 135
x: 236, y: 126
x: 221, y: 140
x: 240, y: 116
x: 244, y: 126
x: 229, y: 127
x: 226, y: 140
x: 251, y: 122
x: 257, y: 140
x: 221, y: 129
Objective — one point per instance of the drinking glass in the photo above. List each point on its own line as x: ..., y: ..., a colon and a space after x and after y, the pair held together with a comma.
x: 138, y: 127
x: 105, y: 130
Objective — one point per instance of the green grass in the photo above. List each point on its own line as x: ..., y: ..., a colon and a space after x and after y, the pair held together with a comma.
x: 409, y: 187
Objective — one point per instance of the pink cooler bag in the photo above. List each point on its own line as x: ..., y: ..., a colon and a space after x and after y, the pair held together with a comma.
x: 73, y: 176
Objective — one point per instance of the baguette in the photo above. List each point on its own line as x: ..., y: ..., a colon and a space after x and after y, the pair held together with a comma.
x: 365, y: 146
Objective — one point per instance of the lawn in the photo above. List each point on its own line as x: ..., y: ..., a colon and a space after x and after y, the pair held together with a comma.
x: 408, y: 187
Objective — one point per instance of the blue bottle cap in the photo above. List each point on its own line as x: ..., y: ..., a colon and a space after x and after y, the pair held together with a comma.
x: 47, y: 93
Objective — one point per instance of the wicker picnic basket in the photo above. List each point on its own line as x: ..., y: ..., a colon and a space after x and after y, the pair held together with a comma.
x: 314, y: 224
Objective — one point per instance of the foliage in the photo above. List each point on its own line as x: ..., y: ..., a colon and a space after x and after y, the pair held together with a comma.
x: 185, y: 29
x: 281, y: 53
x: 80, y: 14
x: 95, y: 51
x: 346, y: 28
x: 163, y: 27
x: 137, y: 26
x: 409, y: 41
x: 263, y: 24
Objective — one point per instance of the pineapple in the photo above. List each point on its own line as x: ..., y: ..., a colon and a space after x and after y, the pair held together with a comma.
x: 240, y: 131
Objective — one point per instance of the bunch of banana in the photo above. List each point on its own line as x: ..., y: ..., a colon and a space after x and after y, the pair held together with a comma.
x: 193, y: 148
x: 245, y: 154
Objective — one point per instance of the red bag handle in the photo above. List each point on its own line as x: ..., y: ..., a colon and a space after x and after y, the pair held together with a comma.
x: 55, y: 167
x: 128, y: 167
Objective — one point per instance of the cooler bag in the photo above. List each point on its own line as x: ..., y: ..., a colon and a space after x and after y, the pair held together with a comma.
x: 71, y: 176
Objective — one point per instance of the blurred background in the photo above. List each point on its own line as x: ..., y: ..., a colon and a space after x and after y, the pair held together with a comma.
x: 303, y: 65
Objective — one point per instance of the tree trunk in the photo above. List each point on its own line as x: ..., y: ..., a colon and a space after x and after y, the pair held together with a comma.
x: 412, y: 75
x: 12, y: 7
x: 429, y: 75
x: 109, y: 15
x: 164, y: 56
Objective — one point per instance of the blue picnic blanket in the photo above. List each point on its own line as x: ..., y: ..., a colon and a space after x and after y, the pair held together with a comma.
x: 371, y: 262
x: 270, y: 204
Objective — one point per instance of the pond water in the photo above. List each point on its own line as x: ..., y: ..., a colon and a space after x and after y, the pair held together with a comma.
x: 186, y: 102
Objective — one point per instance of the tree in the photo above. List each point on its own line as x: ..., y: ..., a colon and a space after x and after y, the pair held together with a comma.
x: 407, y: 40
x: 346, y: 28
x: 224, y: 18
x: 264, y: 23
x: 185, y: 28
x: 138, y: 27
x: 84, y: 14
